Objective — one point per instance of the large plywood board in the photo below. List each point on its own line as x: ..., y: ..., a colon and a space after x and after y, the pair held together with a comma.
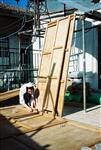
x: 56, y: 41
x: 64, y: 72
x: 61, y: 137
x: 57, y: 60
x: 46, y: 62
x: 11, y: 126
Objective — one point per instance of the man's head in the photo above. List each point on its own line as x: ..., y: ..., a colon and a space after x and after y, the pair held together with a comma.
x: 29, y: 88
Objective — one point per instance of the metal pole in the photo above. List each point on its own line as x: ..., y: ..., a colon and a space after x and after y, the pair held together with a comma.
x: 84, y: 63
x: 19, y: 61
x: 38, y: 21
x: 64, y: 9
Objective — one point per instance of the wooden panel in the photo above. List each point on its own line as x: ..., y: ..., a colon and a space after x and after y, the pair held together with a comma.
x: 46, y: 62
x: 47, y: 50
x: 52, y: 62
x: 65, y: 68
x: 62, y: 137
x: 24, y: 124
x: 56, y: 64
x: 49, y: 38
x: 44, y: 67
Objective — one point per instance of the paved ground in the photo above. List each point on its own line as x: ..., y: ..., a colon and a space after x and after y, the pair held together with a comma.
x: 92, y: 116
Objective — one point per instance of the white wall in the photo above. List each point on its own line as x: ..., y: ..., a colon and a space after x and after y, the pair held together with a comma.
x: 91, y: 48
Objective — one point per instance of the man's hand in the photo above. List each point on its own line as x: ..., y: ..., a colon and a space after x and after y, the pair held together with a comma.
x: 30, y: 109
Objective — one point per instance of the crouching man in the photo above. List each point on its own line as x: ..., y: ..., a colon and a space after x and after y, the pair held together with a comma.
x: 26, y: 97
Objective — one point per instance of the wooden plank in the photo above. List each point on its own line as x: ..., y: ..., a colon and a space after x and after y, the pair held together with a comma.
x: 42, y: 122
x: 9, y: 94
x: 49, y: 124
x: 43, y: 128
x: 52, y: 23
x: 65, y: 68
x: 46, y: 53
x: 58, y: 47
x: 8, y: 107
x: 63, y: 137
x: 15, y: 127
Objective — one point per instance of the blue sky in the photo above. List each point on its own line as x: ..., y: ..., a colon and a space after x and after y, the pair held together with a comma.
x: 22, y: 3
x: 53, y: 5
x: 56, y: 5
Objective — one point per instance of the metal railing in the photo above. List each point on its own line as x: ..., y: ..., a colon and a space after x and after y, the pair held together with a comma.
x: 12, y: 76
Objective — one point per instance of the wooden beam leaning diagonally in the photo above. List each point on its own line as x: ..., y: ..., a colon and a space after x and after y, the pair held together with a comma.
x: 63, y: 80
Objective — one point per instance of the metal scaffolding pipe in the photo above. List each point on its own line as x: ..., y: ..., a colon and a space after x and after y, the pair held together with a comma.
x: 19, y: 60
x: 84, y: 63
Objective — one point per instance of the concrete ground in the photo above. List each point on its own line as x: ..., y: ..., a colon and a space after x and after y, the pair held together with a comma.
x: 92, y: 116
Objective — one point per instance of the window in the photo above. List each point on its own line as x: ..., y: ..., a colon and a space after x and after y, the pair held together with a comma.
x: 4, y: 50
x: 25, y: 41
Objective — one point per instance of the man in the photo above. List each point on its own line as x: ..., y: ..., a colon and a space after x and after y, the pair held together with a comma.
x: 26, y: 97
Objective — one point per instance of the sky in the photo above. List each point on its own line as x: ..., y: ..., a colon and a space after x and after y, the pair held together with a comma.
x: 53, y: 5
x: 57, y: 5
x: 22, y: 3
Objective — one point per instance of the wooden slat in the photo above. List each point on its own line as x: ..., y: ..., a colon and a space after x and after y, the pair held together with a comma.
x: 52, y: 23
x: 58, y: 47
x: 46, y: 53
x: 65, y: 68
x: 7, y: 107
x: 9, y: 94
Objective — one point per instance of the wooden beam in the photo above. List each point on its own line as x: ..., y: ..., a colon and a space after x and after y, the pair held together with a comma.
x: 8, y: 107
x: 9, y: 94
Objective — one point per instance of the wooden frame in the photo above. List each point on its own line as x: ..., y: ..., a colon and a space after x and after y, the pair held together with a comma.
x: 56, y: 49
x: 57, y: 60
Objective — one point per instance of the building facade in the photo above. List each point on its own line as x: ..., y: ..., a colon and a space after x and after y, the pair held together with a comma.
x: 92, y: 53
x: 16, y: 52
